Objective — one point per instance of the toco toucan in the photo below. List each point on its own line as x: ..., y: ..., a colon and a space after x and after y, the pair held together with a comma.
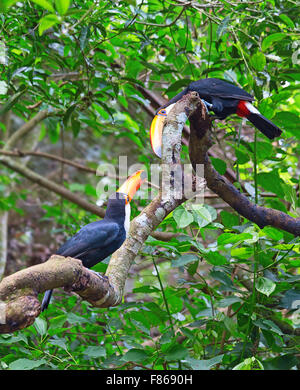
x: 223, y: 99
x: 99, y: 239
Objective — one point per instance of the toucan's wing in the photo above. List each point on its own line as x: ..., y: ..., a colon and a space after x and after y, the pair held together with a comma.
x: 219, y: 88
x: 96, y: 235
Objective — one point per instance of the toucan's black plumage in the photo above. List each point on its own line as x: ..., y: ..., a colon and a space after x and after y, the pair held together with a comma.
x: 97, y: 240
x: 223, y: 99
x: 223, y: 96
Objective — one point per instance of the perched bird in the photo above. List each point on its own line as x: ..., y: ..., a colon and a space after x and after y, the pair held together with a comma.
x: 99, y: 239
x: 223, y: 99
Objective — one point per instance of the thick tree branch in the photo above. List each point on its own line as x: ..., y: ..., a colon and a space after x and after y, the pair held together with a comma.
x: 200, y: 142
x: 164, y: 203
x: 19, y: 291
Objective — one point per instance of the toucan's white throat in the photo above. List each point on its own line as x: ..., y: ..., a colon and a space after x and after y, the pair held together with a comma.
x: 127, y: 218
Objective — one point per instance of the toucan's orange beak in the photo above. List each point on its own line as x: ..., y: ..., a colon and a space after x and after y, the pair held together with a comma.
x: 131, y: 185
x: 156, y: 129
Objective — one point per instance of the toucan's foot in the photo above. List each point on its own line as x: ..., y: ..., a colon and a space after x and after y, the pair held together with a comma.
x: 208, y: 106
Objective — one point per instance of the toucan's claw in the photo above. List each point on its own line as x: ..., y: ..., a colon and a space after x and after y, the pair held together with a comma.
x: 208, y: 106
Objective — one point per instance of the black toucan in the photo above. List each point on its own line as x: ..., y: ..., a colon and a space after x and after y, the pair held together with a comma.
x: 223, y: 99
x: 99, y: 239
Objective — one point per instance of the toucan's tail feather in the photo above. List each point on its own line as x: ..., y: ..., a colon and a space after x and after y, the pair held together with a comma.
x: 264, y: 125
x: 46, y: 300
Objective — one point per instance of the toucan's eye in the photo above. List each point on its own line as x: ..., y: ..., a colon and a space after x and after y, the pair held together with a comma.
x: 127, y: 199
x: 162, y: 112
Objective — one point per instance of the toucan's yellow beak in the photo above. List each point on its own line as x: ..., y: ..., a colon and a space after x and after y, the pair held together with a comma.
x: 131, y: 185
x: 156, y: 129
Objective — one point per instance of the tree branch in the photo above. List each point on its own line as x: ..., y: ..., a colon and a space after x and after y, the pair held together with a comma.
x: 28, y: 126
x: 158, y: 101
x: 19, y: 291
x: 199, y: 144
x: 50, y: 185
x: 164, y: 203
x: 74, y: 164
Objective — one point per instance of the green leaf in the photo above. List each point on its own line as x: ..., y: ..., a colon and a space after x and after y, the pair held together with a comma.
x: 258, y: 61
x: 62, y: 6
x: 47, y: 22
x: 204, y: 364
x: 249, y: 364
x: 230, y: 325
x: 288, y: 121
x: 268, y: 325
x: 132, y: 137
x: 242, y: 253
x: 219, y: 165
x: 263, y: 150
x: 273, y: 233
x: 215, y: 258
x: 229, y: 219
x: 176, y: 352
x: 288, y: 21
x: 59, y: 343
x: 241, y: 156
x: 283, y: 362
x: 225, y: 302
x: 40, y: 325
x: 290, y: 195
x: 84, y: 37
x: 270, y: 39
x: 184, y: 259
x: 135, y: 355
x: 146, y: 289
x: 222, y: 28
x: 203, y: 214
x: 26, y: 364
x: 265, y: 286
x: 95, y: 351
x: 45, y: 4
x: 183, y: 217
x: 270, y: 181
x: 5, y: 4
x: 232, y: 238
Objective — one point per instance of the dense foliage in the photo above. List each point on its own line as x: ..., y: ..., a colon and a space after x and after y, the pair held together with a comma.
x: 223, y: 293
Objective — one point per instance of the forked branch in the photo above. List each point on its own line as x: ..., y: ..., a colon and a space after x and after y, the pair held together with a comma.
x: 19, y: 291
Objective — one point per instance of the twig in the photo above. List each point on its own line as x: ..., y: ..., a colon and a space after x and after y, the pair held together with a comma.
x: 262, y: 216
x: 28, y: 126
x: 163, y: 25
x: 50, y: 185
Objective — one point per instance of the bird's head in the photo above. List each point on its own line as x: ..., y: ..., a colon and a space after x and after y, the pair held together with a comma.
x: 118, y: 206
